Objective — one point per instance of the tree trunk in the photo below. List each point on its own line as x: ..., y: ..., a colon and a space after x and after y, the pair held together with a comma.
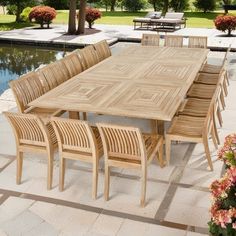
x: 72, y: 17
x: 154, y: 6
x: 18, y: 11
x: 229, y: 32
x: 81, y: 24
x: 165, y: 7
x: 113, y: 3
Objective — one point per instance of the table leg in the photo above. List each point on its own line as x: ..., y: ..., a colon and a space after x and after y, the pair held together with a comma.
x: 74, y: 115
x: 157, y: 127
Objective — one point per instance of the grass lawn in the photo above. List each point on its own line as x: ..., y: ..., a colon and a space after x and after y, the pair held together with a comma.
x: 7, y: 22
x: 195, y: 19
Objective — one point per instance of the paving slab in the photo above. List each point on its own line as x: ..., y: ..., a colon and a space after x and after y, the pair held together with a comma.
x: 56, y: 36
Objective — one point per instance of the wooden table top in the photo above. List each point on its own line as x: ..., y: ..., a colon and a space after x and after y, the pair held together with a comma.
x: 142, y: 81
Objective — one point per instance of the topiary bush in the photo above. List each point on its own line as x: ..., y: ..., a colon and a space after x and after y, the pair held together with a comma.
x: 92, y: 14
x: 24, y: 16
x: 225, y: 23
x: 42, y: 15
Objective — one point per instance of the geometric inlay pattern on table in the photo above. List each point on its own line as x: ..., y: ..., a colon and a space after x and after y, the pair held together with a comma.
x: 142, y: 81
x: 135, y: 97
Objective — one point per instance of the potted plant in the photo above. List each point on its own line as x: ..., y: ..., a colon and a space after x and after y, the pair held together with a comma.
x: 225, y: 23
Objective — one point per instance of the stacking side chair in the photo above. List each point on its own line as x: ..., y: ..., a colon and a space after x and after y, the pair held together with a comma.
x: 173, y: 41
x: 73, y: 64
x: 77, y: 141
x: 150, y: 40
x: 28, y: 88
x: 102, y: 49
x: 127, y: 147
x: 193, y: 129
x: 216, y: 69
x: 88, y: 57
x: 53, y: 75
x: 32, y: 136
x: 197, y: 42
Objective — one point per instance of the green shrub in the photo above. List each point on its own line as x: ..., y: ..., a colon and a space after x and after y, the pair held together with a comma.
x: 11, y: 9
x: 204, y: 5
x: 134, y: 5
x: 24, y: 16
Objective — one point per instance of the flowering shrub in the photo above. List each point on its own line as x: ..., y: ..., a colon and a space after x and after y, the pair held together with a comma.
x: 225, y: 23
x: 91, y: 15
x: 223, y: 191
x: 24, y: 16
x: 42, y: 15
x: 228, y: 152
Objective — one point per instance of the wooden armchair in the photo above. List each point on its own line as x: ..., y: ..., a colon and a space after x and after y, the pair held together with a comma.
x: 150, y: 40
x: 197, y: 42
x: 53, y: 75
x: 32, y: 136
x: 173, y: 41
x: 193, y: 129
x: 88, y: 56
x: 77, y: 141
x: 73, y: 64
x: 127, y: 147
x: 26, y: 89
x: 102, y: 49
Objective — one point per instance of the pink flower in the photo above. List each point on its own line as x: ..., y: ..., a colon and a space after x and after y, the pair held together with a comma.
x: 234, y: 225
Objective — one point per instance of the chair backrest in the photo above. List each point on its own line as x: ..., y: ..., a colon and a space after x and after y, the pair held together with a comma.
x: 73, y: 64
x: 197, y: 42
x: 153, y: 14
x: 88, y: 57
x: 102, y: 49
x: 173, y: 41
x: 125, y: 143
x: 210, y: 114
x: 74, y: 135
x: 150, y: 40
x: 226, y: 56
x: 26, y: 89
x: 174, y: 15
x: 29, y: 130
x: 53, y: 75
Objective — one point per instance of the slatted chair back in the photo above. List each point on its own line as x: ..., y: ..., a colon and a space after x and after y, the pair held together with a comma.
x: 26, y: 89
x: 102, y: 49
x: 53, y: 75
x: 150, y: 40
x: 197, y: 42
x: 29, y: 130
x: 88, y: 57
x: 75, y: 135
x: 210, y: 114
x: 226, y: 56
x: 73, y: 64
x: 125, y: 143
x: 173, y: 41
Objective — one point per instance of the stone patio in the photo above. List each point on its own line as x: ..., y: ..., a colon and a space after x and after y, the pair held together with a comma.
x: 178, y: 198
x: 217, y: 40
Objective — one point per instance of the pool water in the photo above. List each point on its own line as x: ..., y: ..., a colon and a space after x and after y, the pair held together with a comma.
x: 17, y: 60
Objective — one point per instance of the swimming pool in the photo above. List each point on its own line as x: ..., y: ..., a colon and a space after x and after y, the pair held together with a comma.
x: 16, y: 60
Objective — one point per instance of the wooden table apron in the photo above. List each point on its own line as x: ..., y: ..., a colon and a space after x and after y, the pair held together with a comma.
x: 142, y: 82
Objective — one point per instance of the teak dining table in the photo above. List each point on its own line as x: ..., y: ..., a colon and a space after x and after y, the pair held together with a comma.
x: 145, y: 82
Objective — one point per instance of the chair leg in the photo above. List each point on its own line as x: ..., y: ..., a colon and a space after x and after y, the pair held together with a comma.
x: 219, y: 116
x: 227, y: 77
x: 50, y: 169
x: 225, y: 88
x: 62, y: 173
x: 19, y: 164
x: 214, y: 138
x: 222, y: 100
x: 160, y: 155
x: 107, y: 182
x: 168, y: 146
x: 207, y: 151
x: 74, y: 115
x: 215, y: 130
x: 95, y: 178
x: 84, y: 116
x: 144, y: 185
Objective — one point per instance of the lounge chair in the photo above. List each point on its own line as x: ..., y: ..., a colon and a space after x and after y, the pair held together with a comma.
x: 145, y: 22
x: 171, y: 21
